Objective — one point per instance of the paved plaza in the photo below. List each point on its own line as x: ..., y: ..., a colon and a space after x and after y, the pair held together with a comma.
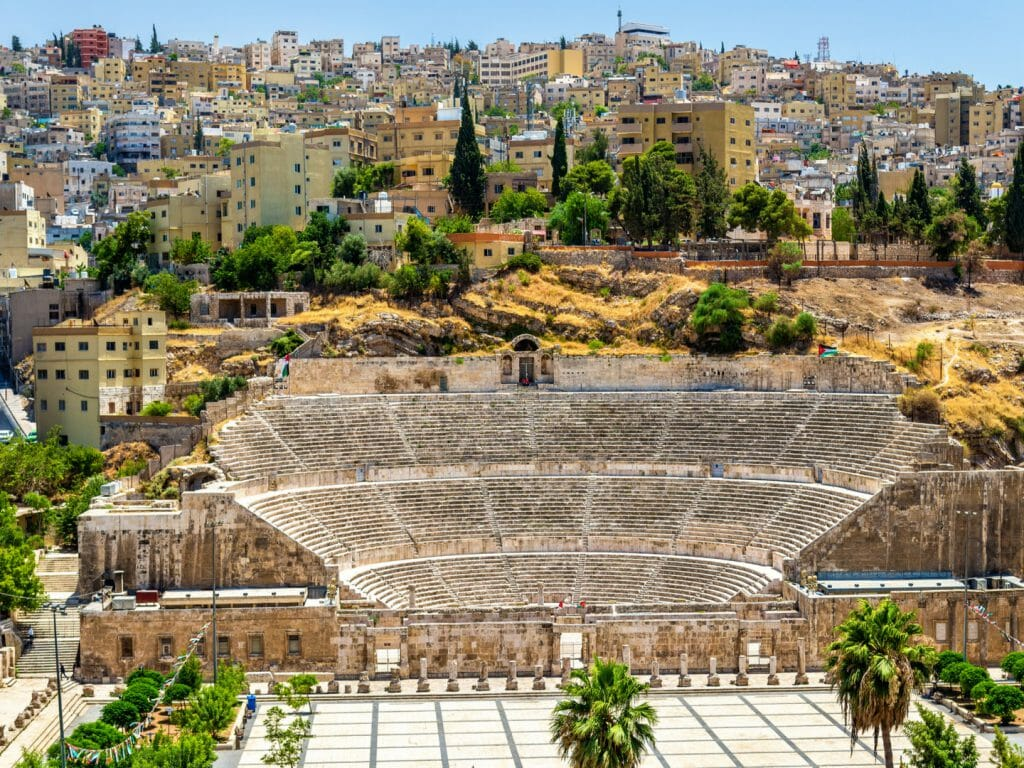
x: 778, y: 729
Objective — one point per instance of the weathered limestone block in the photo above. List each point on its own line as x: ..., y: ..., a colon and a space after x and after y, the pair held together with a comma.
x: 713, y: 681
x: 511, y: 682
x: 453, y: 677
x: 773, y: 673
x: 684, y: 672
x: 801, y: 665
x: 742, y: 679
x: 422, y: 684
x: 395, y: 686
x: 538, y: 678
x: 655, y: 674
x: 482, y: 683
x: 364, y: 682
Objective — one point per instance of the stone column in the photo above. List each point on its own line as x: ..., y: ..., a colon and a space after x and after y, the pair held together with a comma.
x: 741, y: 675
x: 395, y: 686
x: 364, y: 682
x: 684, y: 671
x: 511, y: 681
x: 566, y: 672
x: 773, y: 672
x: 801, y: 663
x: 453, y: 677
x: 538, y: 677
x: 655, y: 674
x: 422, y: 684
x: 713, y: 681
x: 627, y: 658
x: 482, y: 683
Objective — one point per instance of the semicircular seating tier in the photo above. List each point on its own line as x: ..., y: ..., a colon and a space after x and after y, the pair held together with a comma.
x: 863, y: 435
x: 746, y: 520
x: 595, y: 578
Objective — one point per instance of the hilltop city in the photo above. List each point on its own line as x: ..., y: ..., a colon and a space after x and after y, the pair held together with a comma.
x: 605, y: 400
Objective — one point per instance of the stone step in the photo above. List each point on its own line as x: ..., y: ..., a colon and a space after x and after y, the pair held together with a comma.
x: 38, y: 661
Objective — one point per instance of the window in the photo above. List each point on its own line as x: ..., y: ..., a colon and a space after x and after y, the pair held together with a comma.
x: 294, y: 644
x: 165, y: 646
x: 61, y: 406
x: 126, y: 643
x: 388, y: 659
x: 732, y: 139
x: 488, y: 252
x: 154, y: 344
x: 154, y: 372
x: 127, y: 373
x: 111, y: 373
x: 660, y: 121
x: 252, y: 159
x: 511, y: 251
x: 972, y: 631
x: 58, y: 346
x: 223, y: 646
x: 298, y: 168
x: 83, y: 375
x: 42, y: 374
x: 41, y: 346
x: 60, y: 374
x: 111, y: 346
x: 84, y: 406
x: 378, y: 228
x: 252, y: 181
x: 298, y: 189
x: 255, y: 646
x: 298, y: 210
x: 43, y: 405
x: 252, y: 204
x: 941, y: 632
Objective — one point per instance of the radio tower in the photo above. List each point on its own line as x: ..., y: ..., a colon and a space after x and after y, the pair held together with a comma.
x: 823, y: 52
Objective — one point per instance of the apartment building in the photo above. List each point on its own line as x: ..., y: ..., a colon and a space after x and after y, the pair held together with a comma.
x: 284, y: 46
x: 725, y: 129
x: 984, y: 119
x: 93, y: 43
x: 274, y: 176
x: 257, y: 55
x: 952, y: 117
x: 132, y: 137
x: 184, y: 216
x: 85, y: 370
x: 505, y: 70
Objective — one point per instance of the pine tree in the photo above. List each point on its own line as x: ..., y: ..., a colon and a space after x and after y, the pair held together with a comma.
x: 968, y: 195
x: 138, y: 45
x: 559, y: 161
x: 198, y: 139
x: 154, y: 42
x: 468, y: 181
x: 1015, y: 205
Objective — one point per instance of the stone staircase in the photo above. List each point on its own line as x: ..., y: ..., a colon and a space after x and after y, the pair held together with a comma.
x: 59, y: 574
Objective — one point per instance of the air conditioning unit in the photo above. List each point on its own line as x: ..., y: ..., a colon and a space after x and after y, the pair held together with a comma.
x: 123, y: 603
x: 110, y: 489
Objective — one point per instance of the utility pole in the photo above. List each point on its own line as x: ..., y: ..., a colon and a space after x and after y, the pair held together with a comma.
x: 967, y: 522
x: 54, y: 607
x: 213, y: 593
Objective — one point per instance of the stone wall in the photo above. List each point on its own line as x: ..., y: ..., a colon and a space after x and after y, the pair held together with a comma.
x: 914, y: 525
x: 154, y: 431
x: 597, y: 373
x: 172, y: 549
x: 102, y: 632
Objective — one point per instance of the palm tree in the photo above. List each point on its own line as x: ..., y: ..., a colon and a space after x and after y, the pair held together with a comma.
x: 875, y: 666
x: 599, y: 724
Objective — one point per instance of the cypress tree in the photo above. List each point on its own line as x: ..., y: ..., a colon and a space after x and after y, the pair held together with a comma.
x: 559, y: 161
x: 154, y: 42
x: 1015, y: 205
x: 712, y: 196
x: 968, y: 195
x: 468, y: 182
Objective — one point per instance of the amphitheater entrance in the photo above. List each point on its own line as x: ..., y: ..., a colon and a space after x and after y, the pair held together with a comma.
x: 526, y: 363
x: 570, y: 646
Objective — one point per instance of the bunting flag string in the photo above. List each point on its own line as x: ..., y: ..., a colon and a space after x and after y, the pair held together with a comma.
x: 982, y: 613
x: 125, y: 748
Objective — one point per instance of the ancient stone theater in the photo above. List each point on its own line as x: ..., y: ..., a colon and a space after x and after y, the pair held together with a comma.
x: 527, y: 508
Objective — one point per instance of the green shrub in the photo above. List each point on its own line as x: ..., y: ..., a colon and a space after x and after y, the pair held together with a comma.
x: 805, y: 326
x: 138, y: 698
x: 529, y: 261
x: 780, y: 335
x: 524, y: 277
x: 120, y: 714
x: 718, y: 318
x: 980, y: 691
x: 1003, y: 701
x: 191, y: 673
x: 193, y: 404
x: 970, y: 677
x: 921, y: 404
x: 156, y: 408
x: 1010, y: 660
x: 145, y: 674
x: 178, y: 325
x: 595, y: 344
x: 286, y: 344
x: 951, y: 673
x: 177, y: 692
x: 345, y: 277
x: 767, y: 302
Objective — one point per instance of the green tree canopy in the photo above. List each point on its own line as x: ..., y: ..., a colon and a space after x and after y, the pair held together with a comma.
x: 468, y: 181
x: 712, y: 196
x: 601, y: 723
x: 934, y: 743
x: 559, y: 161
x: 172, y: 295
x: 188, y: 750
x: 192, y: 251
x: 595, y: 177
x: 755, y: 209
x: 20, y: 588
x: 967, y: 193
x: 1013, y: 225
x: 875, y: 665
x: 567, y: 218
x: 597, y: 149
x: 512, y: 205
x: 119, y: 253
x: 655, y: 201
x: 951, y: 234
x: 718, y: 318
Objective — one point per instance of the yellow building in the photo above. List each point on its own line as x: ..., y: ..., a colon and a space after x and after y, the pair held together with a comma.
x: 838, y: 90
x: 110, y: 70
x: 550, y: 63
x: 531, y: 152
x: 725, y: 129
x: 805, y: 109
x: 952, y: 118
x: 88, y: 121
x: 85, y: 370
x: 985, y: 117
x: 65, y: 94
x: 274, y: 177
x: 489, y: 250
x: 658, y: 83
x: 21, y: 232
x: 183, y: 216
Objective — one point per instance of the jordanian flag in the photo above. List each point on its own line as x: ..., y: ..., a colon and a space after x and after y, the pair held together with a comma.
x: 824, y: 351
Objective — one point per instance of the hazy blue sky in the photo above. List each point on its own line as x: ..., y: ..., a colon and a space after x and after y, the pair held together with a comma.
x: 981, y: 37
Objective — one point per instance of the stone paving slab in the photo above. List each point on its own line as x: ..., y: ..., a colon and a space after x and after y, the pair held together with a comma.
x: 779, y: 729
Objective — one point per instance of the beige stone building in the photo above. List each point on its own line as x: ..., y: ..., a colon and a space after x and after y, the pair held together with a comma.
x: 725, y: 129
x: 184, y: 216
x: 85, y: 370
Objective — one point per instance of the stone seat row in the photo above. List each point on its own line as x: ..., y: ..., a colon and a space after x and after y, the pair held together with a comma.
x: 302, y: 434
x: 365, y: 521
x: 525, y: 579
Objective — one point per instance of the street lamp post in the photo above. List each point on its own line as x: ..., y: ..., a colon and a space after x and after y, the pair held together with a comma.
x: 213, y: 595
x: 54, y: 607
